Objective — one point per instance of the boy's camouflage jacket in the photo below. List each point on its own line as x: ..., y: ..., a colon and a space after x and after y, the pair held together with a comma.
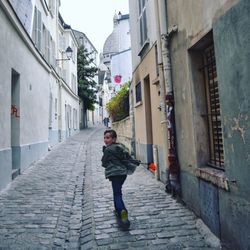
x: 117, y: 161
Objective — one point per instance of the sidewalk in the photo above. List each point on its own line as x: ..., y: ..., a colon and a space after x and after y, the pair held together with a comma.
x: 64, y: 202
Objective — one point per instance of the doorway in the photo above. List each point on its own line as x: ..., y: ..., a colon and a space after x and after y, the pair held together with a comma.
x: 15, y: 123
x: 148, y: 118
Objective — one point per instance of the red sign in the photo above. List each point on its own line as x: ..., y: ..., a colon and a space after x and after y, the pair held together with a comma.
x: 118, y: 78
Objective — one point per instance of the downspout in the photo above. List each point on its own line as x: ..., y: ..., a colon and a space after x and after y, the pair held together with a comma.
x: 173, y: 171
x: 164, y: 127
x: 132, y: 120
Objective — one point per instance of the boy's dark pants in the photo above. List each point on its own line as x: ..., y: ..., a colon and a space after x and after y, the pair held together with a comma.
x: 117, y: 182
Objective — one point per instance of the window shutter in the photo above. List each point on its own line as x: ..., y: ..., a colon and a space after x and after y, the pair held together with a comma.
x: 39, y: 30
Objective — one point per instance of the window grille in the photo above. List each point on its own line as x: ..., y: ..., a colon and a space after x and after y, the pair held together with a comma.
x: 213, y: 109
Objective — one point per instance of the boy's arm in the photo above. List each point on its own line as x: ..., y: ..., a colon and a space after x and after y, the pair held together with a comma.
x: 129, y: 159
x: 105, y: 158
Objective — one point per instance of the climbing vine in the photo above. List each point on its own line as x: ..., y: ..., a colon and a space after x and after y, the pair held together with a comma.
x: 118, y: 106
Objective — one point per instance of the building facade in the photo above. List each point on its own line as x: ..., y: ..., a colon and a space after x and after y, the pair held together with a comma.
x: 37, y: 101
x: 66, y: 95
x: 115, y: 66
x: 190, y: 61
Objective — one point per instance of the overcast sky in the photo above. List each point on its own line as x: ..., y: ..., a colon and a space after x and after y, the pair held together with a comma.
x: 93, y: 17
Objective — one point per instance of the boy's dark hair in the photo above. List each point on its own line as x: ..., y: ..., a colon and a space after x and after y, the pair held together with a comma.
x: 112, y: 133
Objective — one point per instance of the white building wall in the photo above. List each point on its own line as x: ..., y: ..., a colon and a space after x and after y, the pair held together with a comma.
x: 23, y: 117
x: 68, y: 100
x: 31, y: 91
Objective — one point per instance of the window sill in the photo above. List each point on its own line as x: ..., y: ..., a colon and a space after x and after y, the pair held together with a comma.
x: 138, y: 104
x: 143, y: 48
x: 217, y: 177
x: 156, y: 81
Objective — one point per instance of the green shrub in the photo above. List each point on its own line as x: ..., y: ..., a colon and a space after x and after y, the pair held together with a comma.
x: 118, y: 106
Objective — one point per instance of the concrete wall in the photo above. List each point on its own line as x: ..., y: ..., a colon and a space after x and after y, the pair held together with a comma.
x: 232, y: 47
x: 224, y: 23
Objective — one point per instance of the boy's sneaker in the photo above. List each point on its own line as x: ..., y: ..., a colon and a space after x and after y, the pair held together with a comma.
x: 124, y: 219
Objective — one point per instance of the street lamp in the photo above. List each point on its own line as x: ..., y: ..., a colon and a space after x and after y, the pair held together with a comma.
x: 68, y: 53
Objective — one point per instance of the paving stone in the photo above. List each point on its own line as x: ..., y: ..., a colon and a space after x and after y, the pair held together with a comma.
x: 64, y: 201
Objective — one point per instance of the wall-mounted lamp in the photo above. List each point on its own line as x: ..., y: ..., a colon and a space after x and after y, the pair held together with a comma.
x: 68, y: 53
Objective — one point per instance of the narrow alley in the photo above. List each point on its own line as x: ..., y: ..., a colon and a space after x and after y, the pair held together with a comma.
x: 64, y: 201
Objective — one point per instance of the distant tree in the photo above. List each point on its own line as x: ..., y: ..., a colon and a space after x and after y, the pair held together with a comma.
x: 87, y: 87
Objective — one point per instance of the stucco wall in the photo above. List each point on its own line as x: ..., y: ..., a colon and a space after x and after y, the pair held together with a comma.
x: 148, y: 126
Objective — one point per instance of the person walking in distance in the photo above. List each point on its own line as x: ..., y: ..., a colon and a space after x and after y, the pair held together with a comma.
x: 118, y: 164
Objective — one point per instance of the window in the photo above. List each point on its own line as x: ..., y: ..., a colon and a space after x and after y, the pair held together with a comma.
x: 52, y: 7
x: 43, y: 49
x: 55, y: 108
x: 73, y: 83
x: 53, y: 53
x: 143, y: 22
x: 37, y: 29
x: 213, y: 109
x: 74, y: 119
x: 156, y: 60
x: 47, y: 46
x: 74, y: 51
x: 138, y: 92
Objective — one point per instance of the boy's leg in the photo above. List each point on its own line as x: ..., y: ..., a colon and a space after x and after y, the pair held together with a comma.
x: 117, y: 193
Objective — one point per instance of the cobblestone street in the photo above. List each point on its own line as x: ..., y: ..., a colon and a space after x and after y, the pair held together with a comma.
x: 64, y: 202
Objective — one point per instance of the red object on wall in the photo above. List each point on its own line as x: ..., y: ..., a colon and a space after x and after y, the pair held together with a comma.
x: 118, y: 78
x: 152, y: 166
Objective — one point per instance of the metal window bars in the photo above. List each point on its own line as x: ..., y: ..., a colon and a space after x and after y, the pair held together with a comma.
x: 213, y: 106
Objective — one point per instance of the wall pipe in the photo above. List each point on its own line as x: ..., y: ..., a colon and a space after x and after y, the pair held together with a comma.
x: 164, y: 121
x: 173, y: 171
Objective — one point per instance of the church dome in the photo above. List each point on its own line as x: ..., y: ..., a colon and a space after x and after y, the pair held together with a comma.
x: 111, y: 44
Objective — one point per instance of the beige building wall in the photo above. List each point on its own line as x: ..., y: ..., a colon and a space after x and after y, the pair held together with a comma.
x: 147, y: 113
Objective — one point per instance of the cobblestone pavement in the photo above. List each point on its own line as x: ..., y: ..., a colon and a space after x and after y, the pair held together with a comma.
x: 64, y: 201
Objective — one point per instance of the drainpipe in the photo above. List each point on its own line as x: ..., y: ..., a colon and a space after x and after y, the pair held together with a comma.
x: 173, y: 172
x: 132, y: 120
x: 164, y: 122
